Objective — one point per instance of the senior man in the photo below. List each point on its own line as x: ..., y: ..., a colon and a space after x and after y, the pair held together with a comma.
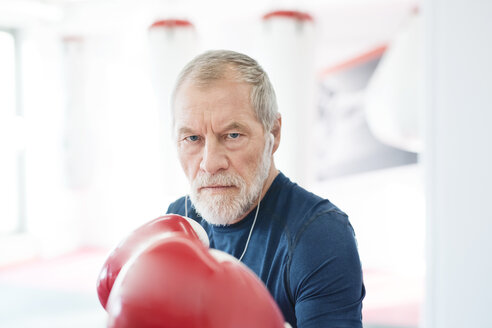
x: 227, y: 128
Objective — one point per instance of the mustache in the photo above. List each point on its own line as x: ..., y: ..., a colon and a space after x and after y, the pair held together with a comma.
x: 222, y: 179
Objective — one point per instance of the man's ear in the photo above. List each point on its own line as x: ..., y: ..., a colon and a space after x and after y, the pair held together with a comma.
x: 276, y: 132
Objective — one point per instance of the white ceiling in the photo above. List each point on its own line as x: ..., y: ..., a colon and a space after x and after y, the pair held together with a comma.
x: 345, y: 28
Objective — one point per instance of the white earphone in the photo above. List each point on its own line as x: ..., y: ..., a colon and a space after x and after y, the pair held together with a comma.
x: 272, y: 139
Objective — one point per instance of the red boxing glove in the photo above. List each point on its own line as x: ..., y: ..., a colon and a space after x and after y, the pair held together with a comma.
x: 164, y: 226
x: 176, y: 282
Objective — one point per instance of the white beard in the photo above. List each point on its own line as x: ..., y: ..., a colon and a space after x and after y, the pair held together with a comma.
x: 224, y: 209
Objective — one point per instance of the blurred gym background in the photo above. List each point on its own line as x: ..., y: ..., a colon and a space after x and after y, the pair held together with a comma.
x: 386, y: 112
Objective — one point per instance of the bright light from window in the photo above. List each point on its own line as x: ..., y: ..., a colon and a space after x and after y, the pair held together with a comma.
x: 7, y: 76
x: 9, y: 163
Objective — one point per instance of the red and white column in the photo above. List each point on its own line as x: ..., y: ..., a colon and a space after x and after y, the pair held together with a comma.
x: 287, y: 54
x: 172, y: 44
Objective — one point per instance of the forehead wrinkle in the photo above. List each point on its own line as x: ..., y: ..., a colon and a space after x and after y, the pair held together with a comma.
x: 183, y: 121
x: 198, y: 122
x: 190, y: 112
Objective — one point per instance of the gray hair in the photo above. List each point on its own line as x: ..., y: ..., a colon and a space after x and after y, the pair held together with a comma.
x: 214, y: 65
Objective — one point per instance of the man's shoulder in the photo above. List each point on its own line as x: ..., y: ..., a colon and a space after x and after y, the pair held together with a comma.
x: 304, y: 208
x: 178, y: 206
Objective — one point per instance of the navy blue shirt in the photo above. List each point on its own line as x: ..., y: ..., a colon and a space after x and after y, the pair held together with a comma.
x: 303, y: 248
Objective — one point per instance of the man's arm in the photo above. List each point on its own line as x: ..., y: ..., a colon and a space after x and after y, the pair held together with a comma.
x: 325, y: 274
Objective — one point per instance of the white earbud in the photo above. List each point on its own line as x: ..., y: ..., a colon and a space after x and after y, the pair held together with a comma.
x: 270, y: 145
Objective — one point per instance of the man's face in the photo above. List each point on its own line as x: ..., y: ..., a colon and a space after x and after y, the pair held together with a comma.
x: 222, y: 148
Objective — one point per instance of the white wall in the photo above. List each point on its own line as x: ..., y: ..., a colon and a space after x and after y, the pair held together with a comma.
x: 47, y: 212
x: 387, y: 210
x: 458, y: 162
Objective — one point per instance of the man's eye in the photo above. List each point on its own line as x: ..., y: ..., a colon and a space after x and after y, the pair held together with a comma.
x: 234, y: 135
x: 192, y: 138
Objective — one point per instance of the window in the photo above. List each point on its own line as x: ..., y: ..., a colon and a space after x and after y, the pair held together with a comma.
x: 11, y: 150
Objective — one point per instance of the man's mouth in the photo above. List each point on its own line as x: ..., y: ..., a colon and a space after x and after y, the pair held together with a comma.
x: 215, y: 188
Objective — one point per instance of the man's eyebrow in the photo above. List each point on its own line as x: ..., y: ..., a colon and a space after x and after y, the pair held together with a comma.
x: 231, y: 126
x: 185, y: 130
x: 235, y: 126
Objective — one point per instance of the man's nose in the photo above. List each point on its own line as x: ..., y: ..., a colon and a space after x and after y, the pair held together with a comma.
x: 214, y: 157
